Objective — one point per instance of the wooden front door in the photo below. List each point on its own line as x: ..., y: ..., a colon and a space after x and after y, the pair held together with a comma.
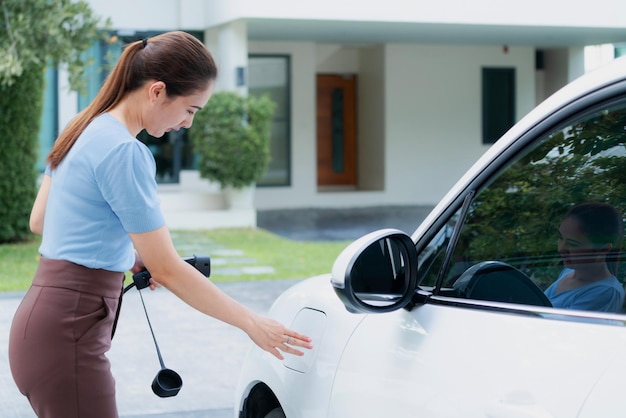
x: 336, y: 130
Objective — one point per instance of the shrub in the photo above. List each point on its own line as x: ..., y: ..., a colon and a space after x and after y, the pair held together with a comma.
x: 33, y: 33
x: 231, y: 137
x: 20, y: 113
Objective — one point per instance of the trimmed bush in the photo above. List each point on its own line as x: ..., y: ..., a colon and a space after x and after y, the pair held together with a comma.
x: 20, y: 119
x: 231, y: 136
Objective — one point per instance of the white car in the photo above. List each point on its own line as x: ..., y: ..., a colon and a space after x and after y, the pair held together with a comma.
x: 455, y: 321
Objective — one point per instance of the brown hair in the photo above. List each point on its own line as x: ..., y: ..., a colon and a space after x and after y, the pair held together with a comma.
x: 602, y: 224
x: 177, y: 59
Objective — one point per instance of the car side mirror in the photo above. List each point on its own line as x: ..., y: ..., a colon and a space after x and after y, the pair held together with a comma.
x: 377, y: 272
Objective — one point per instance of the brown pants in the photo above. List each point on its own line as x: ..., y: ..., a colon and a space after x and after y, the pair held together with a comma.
x: 59, y: 337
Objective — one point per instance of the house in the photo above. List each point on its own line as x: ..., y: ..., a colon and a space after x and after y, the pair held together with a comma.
x: 379, y: 103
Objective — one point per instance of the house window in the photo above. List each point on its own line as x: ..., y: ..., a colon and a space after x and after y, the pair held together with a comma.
x: 100, y: 59
x: 269, y: 74
x: 498, y: 102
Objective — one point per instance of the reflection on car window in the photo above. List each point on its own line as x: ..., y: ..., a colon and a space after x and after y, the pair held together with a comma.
x: 515, y: 219
x: 431, y: 259
x: 589, y: 240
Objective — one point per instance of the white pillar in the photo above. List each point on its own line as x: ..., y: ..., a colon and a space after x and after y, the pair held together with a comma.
x: 598, y: 55
x: 67, y: 101
x: 229, y: 45
x: 576, y: 63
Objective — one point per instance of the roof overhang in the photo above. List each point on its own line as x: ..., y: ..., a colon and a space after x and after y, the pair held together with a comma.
x: 373, y: 33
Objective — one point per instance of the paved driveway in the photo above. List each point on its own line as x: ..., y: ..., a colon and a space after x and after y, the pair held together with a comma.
x: 205, y: 352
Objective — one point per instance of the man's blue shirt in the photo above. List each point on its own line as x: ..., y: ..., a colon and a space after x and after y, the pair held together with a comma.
x: 606, y: 295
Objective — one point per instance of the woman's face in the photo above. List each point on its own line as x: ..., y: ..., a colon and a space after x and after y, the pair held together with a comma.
x: 171, y: 114
x: 576, y: 248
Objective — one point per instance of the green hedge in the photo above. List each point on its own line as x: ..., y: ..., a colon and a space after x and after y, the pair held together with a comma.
x: 20, y: 119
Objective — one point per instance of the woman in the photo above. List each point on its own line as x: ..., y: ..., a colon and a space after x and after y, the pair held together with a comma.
x: 99, y: 216
x: 590, y: 238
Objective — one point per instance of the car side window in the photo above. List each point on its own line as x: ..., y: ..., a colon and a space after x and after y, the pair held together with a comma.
x: 515, y: 245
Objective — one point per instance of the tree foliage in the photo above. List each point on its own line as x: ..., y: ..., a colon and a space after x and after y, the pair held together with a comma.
x: 33, y: 35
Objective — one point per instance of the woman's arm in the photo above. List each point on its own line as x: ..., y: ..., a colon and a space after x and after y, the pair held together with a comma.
x: 170, y: 270
x: 39, y: 207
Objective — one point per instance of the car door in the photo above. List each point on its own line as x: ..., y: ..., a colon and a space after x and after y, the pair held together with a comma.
x: 481, y: 338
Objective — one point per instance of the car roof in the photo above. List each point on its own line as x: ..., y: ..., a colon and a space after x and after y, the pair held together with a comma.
x: 606, y: 75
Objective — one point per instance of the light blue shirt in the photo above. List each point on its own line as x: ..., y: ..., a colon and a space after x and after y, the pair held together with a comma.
x: 606, y: 295
x: 103, y: 189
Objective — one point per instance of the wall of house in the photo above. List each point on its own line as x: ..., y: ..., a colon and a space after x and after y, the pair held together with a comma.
x: 419, y: 106
x: 371, y: 119
x: 433, y: 96
x: 555, y: 64
x: 419, y: 118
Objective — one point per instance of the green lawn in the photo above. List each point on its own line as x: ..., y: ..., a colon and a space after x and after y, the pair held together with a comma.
x: 18, y: 263
x: 229, y: 249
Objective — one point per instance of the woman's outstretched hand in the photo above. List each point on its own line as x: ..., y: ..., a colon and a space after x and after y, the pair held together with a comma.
x: 274, y: 337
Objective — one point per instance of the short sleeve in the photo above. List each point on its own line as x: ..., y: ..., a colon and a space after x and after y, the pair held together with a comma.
x: 126, y: 178
x: 598, y: 298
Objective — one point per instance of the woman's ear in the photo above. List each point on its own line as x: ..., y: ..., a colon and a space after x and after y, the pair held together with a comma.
x: 156, y: 91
